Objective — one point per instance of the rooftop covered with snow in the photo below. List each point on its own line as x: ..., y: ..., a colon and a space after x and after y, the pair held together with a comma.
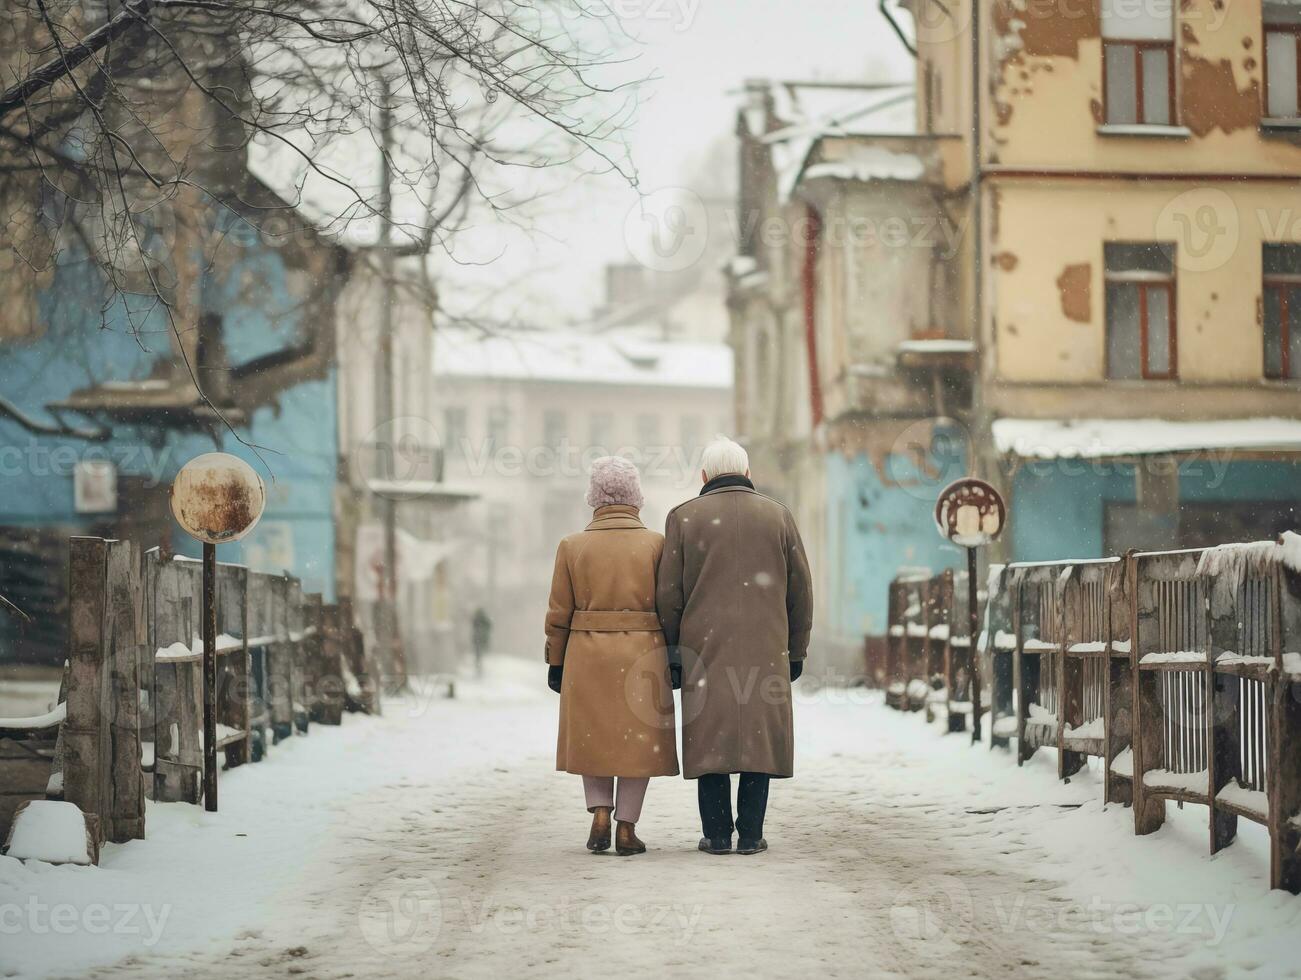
x: 572, y: 357
x: 807, y: 112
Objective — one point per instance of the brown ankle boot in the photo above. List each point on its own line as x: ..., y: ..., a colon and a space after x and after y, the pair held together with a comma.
x: 599, y: 838
x: 626, y: 841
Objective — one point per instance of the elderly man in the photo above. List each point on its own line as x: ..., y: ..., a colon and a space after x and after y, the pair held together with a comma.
x: 735, y: 600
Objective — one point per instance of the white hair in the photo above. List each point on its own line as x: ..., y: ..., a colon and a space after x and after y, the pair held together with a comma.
x: 724, y: 456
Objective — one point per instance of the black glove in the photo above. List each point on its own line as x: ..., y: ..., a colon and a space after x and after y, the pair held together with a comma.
x: 797, y: 668
x: 675, y: 676
x: 554, y: 676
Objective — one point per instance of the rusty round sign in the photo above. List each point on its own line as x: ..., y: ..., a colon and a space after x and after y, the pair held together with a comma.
x: 217, y: 498
x: 970, y: 512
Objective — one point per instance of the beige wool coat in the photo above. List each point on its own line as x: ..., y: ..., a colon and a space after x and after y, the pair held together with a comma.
x: 616, y: 701
x: 735, y: 598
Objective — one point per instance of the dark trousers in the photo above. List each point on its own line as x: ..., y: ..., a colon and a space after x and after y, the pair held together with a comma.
x: 714, y: 792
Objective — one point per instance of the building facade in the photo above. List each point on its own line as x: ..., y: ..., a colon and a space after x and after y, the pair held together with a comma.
x: 111, y: 379
x: 1137, y: 168
x: 521, y: 415
x: 853, y: 358
x: 1103, y: 319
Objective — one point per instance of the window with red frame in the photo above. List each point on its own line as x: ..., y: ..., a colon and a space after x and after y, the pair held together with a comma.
x: 1138, y: 57
x: 1282, y: 50
x: 1140, y: 294
x: 1281, y: 311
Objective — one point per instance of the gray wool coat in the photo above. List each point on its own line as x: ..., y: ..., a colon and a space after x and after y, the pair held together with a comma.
x: 735, y: 599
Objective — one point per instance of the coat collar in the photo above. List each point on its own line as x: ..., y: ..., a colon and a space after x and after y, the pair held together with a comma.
x: 615, y: 517
x: 727, y: 481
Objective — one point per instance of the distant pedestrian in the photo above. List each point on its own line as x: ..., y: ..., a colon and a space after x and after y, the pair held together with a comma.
x: 608, y: 660
x: 736, y: 602
x: 480, y: 637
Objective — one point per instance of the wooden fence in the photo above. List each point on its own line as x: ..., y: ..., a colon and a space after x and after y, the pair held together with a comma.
x: 928, y: 654
x: 129, y: 724
x: 1177, y: 671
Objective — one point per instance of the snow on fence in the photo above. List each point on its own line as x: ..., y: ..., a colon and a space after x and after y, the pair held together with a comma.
x: 129, y: 722
x: 928, y: 662
x: 1180, y: 671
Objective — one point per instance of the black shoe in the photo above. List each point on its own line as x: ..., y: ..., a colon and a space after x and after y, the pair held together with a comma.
x: 744, y: 846
x: 723, y: 845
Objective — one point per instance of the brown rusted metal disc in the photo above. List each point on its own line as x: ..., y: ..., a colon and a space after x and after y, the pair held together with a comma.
x: 217, y: 498
x: 970, y: 512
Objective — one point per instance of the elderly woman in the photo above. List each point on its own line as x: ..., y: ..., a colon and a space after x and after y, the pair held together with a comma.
x: 608, y: 660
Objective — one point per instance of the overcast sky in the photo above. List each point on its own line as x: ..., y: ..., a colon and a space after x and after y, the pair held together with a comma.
x: 699, y: 52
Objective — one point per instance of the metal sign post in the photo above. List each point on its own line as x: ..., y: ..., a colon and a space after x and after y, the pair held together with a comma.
x: 216, y: 498
x: 970, y: 513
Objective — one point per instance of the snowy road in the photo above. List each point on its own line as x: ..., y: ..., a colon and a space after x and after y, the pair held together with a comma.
x: 437, y: 841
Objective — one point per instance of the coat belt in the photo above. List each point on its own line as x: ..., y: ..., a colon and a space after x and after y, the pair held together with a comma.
x: 609, y: 621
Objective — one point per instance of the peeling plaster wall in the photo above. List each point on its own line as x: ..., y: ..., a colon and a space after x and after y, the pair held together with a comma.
x: 880, y: 517
x: 1046, y: 91
x: 1048, y: 308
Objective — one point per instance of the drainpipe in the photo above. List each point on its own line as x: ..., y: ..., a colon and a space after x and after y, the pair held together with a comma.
x: 978, y: 422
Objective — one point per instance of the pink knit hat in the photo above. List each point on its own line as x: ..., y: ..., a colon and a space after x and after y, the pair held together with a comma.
x: 614, y: 480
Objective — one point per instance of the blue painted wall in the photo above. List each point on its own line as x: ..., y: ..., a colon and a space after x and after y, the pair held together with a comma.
x: 1058, y: 508
x: 879, y: 520
x: 255, y: 293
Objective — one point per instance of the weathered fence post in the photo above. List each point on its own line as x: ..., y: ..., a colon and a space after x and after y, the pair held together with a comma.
x: 101, y: 732
x: 280, y: 655
x: 1119, y: 707
x: 1285, y: 738
x: 329, y: 670
x: 234, y: 687
x: 296, y: 624
x: 259, y: 601
x: 176, y: 682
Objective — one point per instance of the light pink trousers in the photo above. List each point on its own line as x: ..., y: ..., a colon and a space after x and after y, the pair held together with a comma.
x: 600, y: 791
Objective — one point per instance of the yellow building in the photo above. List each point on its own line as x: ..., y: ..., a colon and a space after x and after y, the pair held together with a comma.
x: 1136, y: 168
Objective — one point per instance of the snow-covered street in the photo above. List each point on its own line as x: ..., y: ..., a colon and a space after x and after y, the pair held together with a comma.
x: 438, y: 841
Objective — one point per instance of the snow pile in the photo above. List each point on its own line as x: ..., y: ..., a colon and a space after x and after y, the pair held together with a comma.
x: 51, y: 831
x: 938, y: 345
x: 178, y: 652
x: 1175, y: 657
x: 1004, y: 640
x: 1230, y: 564
x: 51, y: 719
x: 1292, y: 664
x: 1182, y: 782
x: 1005, y: 727
x: 1099, y: 438
x: 1252, y: 800
x: 918, y: 690
x: 1039, y: 715
x: 1230, y: 659
x: 1290, y: 547
x: 1123, y: 763
x: 1090, y: 729
x: 940, y: 631
x: 1089, y: 646
x: 869, y: 163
